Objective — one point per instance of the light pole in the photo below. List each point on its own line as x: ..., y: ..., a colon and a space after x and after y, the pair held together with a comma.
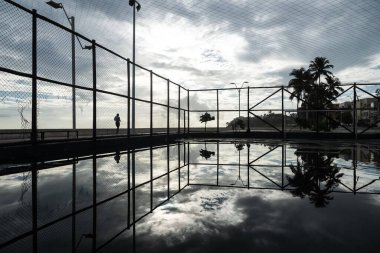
x: 136, y: 6
x: 239, y: 89
x: 71, y: 20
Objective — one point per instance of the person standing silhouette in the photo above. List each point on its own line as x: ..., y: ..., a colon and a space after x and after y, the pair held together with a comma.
x: 117, y: 122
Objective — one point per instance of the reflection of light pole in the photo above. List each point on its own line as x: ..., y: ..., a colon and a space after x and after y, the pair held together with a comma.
x: 245, y: 82
x: 71, y: 20
x: 85, y: 236
x: 239, y: 178
x: 135, y: 7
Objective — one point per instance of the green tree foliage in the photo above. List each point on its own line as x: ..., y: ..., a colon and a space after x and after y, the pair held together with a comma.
x: 237, y: 123
x: 312, y: 93
x: 205, y: 118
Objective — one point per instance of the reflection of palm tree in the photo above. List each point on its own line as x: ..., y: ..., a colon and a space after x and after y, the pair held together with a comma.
x: 314, y: 176
x: 205, y: 153
x: 301, y: 181
x: 320, y: 197
x: 239, y: 146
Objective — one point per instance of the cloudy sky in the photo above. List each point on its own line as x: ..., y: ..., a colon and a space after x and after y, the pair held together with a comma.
x: 203, y: 44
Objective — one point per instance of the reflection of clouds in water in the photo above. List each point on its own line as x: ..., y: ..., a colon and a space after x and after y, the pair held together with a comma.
x: 197, y: 211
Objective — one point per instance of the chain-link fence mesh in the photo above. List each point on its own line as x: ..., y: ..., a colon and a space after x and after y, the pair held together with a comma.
x: 108, y: 106
x: 54, y: 58
x: 15, y: 38
x: 17, y: 205
x: 60, y: 108
x: 111, y: 72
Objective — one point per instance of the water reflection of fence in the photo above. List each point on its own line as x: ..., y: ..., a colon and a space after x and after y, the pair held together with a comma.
x: 316, y: 161
x: 141, y: 187
x: 131, y: 190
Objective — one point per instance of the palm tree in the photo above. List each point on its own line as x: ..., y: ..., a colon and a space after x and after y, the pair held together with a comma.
x: 320, y: 67
x: 333, y: 87
x: 301, y: 83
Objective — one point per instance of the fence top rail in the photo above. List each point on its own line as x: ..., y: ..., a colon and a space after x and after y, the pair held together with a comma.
x: 276, y: 87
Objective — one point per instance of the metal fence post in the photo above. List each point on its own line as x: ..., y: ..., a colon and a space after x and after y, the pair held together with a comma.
x: 73, y: 207
x: 217, y: 163
x: 34, y: 205
x: 168, y: 168
x: 151, y: 104
x: 34, y: 78
x: 217, y: 110
x: 248, y: 125
x: 355, y: 115
x: 188, y: 111
x: 94, y: 201
x: 94, y: 90
x: 129, y: 188
x: 184, y: 121
x: 151, y: 178
x: 179, y: 109
x: 73, y: 70
x: 129, y: 98
x: 248, y: 147
x: 168, y: 109
x: 282, y: 109
x: 179, y: 166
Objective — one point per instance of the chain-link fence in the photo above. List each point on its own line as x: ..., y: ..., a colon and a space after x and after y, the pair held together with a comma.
x: 353, y: 111
x: 58, y: 84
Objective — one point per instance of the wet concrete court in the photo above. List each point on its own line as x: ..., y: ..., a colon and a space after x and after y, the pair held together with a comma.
x: 196, y: 196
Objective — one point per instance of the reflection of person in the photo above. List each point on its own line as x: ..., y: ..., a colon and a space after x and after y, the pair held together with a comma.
x: 117, y: 156
x: 117, y: 122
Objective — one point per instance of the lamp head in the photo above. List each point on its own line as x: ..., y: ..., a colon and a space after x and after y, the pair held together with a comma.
x: 133, y: 2
x: 55, y: 5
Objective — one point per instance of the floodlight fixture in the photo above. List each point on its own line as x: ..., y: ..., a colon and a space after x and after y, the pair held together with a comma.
x: 133, y: 2
x: 55, y: 5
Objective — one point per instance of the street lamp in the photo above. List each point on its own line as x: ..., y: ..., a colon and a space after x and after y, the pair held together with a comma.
x: 71, y: 20
x: 245, y: 82
x: 136, y: 6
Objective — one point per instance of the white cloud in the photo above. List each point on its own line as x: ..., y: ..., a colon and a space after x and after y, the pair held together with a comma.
x: 367, y: 72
